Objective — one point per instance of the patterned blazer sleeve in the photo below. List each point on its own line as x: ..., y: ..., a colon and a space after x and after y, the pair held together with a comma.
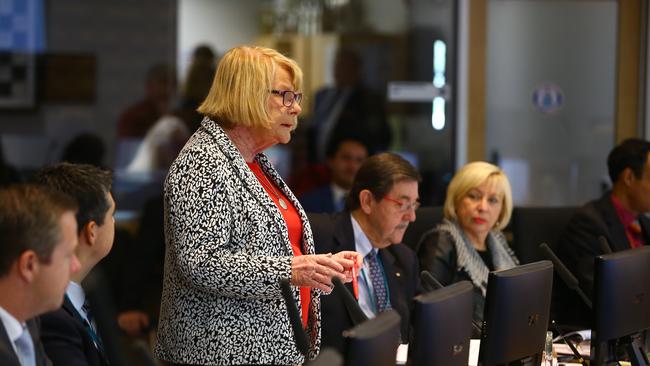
x: 202, y: 199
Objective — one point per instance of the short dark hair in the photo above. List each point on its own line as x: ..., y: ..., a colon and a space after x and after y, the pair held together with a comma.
x: 335, y: 145
x: 87, y: 184
x: 30, y: 220
x: 631, y: 153
x: 378, y: 174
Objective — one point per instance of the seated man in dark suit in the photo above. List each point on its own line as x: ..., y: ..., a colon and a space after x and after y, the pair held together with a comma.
x: 69, y: 334
x: 618, y: 216
x: 38, y: 236
x: 343, y: 162
x: 381, y: 204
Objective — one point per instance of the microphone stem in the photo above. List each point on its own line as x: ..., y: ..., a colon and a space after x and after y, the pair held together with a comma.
x: 584, y: 297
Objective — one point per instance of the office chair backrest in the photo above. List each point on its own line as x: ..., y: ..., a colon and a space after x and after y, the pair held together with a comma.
x: 531, y: 226
x: 426, y: 219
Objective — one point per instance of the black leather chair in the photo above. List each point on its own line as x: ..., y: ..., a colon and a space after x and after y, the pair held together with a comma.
x: 426, y: 218
x: 531, y: 226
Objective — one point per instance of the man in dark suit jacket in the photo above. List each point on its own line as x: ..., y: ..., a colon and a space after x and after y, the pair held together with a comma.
x: 618, y: 216
x: 380, y: 206
x: 349, y: 110
x: 343, y: 162
x: 7, y: 355
x: 38, y: 230
x: 69, y: 335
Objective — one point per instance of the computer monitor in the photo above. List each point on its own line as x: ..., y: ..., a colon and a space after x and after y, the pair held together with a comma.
x: 516, y: 315
x: 374, y: 342
x: 443, y: 326
x: 621, y: 303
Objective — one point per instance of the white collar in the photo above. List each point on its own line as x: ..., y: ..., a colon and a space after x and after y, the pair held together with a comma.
x: 361, y: 242
x: 13, y: 327
x: 77, y: 297
x: 337, y: 192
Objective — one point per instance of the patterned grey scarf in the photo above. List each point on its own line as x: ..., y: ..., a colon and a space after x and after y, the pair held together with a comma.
x: 470, y: 261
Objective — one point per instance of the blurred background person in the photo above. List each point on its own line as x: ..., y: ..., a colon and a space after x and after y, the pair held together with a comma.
x: 137, y: 119
x: 160, y: 146
x: 8, y: 173
x: 348, y: 109
x: 68, y: 333
x: 196, y: 85
x: 382, y: 203
x: 234, y: 229
x: 85, y: 148
x: 39, y: 236
x: 343, y: 161
x: 468, y: 244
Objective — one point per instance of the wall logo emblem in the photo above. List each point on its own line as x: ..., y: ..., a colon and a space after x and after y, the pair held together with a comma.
x: 548, y: 98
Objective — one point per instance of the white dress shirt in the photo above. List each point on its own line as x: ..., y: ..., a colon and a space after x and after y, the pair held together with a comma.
x: 77, y: 297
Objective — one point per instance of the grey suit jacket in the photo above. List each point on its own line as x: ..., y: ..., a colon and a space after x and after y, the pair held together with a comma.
x: 7, y: 355
x: 227, y: 246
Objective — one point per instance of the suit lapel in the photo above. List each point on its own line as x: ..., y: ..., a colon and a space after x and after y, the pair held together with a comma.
x: 344, y: 237
x: 645, y: 228
x: 70, y: 309
x: 7, y: 354
x: 618, y: 239
x: 34, y: 327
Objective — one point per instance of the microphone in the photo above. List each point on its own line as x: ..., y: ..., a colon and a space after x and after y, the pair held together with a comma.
x: 604, y: 245
x: 294, y: 318
x: 433, y: 284
x: 350, y: 302
x: 567, y: 277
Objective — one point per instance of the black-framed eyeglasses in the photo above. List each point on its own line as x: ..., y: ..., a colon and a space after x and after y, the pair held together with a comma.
x: 288, y: 97
x: 403, y: 205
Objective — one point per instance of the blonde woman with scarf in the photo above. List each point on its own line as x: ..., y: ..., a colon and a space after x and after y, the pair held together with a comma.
x: 468, y: 244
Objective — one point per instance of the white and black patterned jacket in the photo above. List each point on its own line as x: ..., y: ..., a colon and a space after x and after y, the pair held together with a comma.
x: 227, y: 246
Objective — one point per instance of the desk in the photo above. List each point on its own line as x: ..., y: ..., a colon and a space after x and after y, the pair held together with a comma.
x: 475, y: 345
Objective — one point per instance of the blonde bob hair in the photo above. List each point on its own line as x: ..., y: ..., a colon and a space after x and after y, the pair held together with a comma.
x: 473, y: 175
x: 242, y: 85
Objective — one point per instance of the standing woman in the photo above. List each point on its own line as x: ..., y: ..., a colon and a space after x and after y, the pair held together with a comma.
x: 233, y: 228
x: 469, y: 242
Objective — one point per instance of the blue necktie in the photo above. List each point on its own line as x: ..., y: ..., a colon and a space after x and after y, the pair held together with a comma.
x: 25, y: 348
x: 378, y: 282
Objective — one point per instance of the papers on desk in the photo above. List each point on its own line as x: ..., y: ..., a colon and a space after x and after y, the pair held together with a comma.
x: 474, y: 346
x: 584, y: 349
x: 402, y: 354
x: 578, y: 335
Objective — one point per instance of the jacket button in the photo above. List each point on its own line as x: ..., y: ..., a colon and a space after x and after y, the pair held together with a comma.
x: 397, y: 274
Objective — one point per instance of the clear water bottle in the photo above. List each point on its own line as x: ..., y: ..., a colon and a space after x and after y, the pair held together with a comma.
x: 549, y: 358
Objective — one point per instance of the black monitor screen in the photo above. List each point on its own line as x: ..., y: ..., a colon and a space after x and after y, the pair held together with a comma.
x: 375, y: 341
x: 443, y: 326
x: 516, y: 314
x: 621, y: 296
